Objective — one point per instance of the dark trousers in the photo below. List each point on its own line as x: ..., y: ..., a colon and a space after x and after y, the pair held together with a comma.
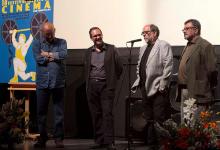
x: 43, y: 97
x: 100, y: 101
x: 155, y: 111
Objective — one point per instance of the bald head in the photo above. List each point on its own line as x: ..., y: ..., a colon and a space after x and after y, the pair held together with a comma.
x: 150, y: 33
x: 153, y: 28
x: 48, y: 26
x: 48, y: 31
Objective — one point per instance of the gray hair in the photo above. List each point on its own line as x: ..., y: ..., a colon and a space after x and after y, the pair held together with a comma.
x: 155, y: 28
x: 195, y: 23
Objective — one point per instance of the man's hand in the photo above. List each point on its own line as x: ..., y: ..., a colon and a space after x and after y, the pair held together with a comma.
x: 48, y: 55
x: 134, y: 89
x: 13, y: 31
x: 51, y: 56
x: 44, y: 54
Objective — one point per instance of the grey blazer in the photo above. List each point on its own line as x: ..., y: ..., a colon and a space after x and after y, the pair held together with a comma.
x: 158, y: 67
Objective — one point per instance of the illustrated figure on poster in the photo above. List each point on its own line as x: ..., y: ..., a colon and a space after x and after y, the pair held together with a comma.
x: 21, y: 48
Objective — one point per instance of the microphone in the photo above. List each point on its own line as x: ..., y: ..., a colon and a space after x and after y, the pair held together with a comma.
x: 132, y: 41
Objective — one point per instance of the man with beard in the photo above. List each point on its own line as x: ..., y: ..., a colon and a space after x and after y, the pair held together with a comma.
x: 153, y: 74
x: 197, y: 74
x: 103, y: 68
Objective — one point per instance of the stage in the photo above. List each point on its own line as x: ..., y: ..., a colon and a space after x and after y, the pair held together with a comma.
x: 77, y: 144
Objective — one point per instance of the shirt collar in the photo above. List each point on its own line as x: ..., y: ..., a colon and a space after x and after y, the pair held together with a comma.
x: 194, y: 40
x: 104, y: 47
x: 150, y: 45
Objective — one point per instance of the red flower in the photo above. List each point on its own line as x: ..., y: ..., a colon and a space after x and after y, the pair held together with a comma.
x: 184, y: 132
x: 166, y: 144
x: 182, y: 144
x: 201, y: 135
x: 210, y: 125
x: 197, y: 133
x: 206, y: 125
x: 208, y: 137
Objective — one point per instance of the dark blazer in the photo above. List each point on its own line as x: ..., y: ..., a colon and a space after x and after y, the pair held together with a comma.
x: 112, y: 64
x: 201, y: 71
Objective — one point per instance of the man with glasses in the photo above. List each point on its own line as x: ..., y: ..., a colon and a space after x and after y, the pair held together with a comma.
x: 153, y: 73
x: 197, y: 74
x: 103, y: 67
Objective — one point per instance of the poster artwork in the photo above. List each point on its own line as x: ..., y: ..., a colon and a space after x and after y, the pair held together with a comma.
x: 20, y: 24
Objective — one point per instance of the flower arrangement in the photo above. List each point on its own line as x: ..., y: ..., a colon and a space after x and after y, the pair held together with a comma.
x: 198, y: 133
x: 189, y: 109
x: 12, y: 124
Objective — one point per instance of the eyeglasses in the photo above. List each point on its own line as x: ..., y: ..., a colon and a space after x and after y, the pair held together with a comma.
x: 187, y: 28
x: 96, y: 35
x: 145, y: 32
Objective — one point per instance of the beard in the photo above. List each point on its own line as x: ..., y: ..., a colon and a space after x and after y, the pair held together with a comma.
x: 99, y: 43
x: 146, y: 40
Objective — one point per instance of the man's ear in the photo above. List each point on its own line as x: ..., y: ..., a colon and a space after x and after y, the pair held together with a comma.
x: 155, y: 33
x: 197, y: 31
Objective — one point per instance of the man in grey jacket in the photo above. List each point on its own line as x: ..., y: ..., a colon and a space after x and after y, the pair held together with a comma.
x: 153, y: 73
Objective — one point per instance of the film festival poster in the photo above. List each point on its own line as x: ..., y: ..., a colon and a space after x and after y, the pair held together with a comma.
x: 20, y: 24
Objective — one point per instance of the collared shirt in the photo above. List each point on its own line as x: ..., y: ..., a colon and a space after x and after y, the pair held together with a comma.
x: 50, y: 74
x: 185, y: 55
x: 97, y: 63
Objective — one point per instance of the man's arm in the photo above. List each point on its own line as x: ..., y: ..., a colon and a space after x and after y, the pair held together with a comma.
x: 14, y: 42
x: 29, y: 41
x: 136, y: 83
x: 167, y: 57
x: 61, y: 55
x: 211, y: 65
x: 118, y: 63
x: 27, y: 45
x: 39, y: 55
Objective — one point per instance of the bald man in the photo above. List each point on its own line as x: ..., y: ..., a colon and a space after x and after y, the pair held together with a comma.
x: 49, y: 53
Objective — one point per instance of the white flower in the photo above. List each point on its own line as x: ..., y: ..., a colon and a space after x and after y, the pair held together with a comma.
x: 189, y: 109
x: 190, y: 102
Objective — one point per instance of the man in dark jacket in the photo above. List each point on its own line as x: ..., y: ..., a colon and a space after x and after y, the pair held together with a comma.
x: 49, y: 54
x: 103, y: 68
x: 198, y: 68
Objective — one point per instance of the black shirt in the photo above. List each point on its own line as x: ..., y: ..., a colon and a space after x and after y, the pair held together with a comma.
x: 142, y: 67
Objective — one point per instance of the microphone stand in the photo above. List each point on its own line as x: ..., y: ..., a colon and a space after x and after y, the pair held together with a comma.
x: 128, y: 103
